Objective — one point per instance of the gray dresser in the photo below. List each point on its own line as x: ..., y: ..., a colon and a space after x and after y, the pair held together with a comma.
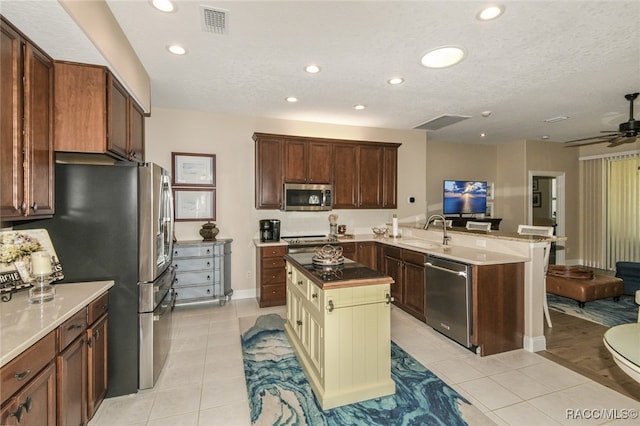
x: 203, y: 271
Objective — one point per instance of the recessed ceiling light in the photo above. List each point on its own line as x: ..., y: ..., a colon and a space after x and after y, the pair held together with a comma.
x: 291, y: 99
x: 443, y: 57
x: 544, y: 137
x: 163, y: 5
x: 490, y: 12
x: 359, y: 106
x: 395, y: 81
x: 482, y: 135
x: 312, y: 69
x: 176, y: 49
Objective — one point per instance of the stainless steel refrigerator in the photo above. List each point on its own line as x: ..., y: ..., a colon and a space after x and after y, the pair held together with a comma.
x: 115, y: 222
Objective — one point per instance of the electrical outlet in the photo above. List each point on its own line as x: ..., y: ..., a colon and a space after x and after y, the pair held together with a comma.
x: 481, y: 243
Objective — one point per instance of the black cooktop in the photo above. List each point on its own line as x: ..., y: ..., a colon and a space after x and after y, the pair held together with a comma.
x: 348, y: 271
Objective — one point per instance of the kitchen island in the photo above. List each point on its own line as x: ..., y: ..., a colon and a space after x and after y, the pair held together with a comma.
x: 338, y: 323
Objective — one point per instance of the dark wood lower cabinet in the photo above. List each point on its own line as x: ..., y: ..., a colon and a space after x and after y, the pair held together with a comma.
x: 498, y: 307
x: 35, y: 404
x: 97, y: 365
x: 406, y: 267
x: 270, y: 276
x: 72, y: 384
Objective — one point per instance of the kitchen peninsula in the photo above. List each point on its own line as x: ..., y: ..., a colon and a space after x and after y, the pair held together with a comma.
x: 53, y: 355
x: 338, y: 322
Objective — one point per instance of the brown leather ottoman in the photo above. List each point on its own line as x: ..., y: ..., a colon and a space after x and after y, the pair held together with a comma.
x: 586, y: 290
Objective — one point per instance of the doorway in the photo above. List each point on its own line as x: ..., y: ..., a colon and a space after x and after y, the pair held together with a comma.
x: 546, y: 207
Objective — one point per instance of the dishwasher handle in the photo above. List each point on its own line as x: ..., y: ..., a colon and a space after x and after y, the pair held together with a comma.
x: 440, y: 268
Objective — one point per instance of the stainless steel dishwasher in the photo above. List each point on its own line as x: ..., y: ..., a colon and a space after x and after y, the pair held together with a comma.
x: 448, y: 293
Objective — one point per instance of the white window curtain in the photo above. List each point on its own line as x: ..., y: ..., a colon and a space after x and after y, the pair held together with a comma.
x: 610, y: 210
x: 623, y: 210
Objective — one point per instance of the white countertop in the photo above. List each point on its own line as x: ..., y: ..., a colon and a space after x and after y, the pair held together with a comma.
x: 473, y: 256
x: 22, y: 324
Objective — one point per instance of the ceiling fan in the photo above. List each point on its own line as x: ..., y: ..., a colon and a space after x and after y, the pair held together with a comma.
x: 627, y: 132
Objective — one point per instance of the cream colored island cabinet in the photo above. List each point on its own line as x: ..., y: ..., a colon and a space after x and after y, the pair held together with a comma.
x: 338, y: 323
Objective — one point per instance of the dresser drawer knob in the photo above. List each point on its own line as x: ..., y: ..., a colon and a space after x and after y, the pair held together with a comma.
x: 21, y: 376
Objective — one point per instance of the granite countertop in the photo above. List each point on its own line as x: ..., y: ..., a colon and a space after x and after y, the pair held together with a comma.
x: 470, y: 255
x: 349, y: 274
x: 22, y: 324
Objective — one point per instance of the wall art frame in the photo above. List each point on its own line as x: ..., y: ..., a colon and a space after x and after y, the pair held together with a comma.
x: 194, y: 204
x: 193, y: 170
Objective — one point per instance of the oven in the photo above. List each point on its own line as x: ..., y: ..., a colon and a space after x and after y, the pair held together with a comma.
x: 156, y: 302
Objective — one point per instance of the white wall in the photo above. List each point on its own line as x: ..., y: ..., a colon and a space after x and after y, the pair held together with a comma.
x: 230, y: 139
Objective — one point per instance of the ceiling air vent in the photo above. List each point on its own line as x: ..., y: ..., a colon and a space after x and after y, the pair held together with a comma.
x: 214, y: 20
x: 442, y: 121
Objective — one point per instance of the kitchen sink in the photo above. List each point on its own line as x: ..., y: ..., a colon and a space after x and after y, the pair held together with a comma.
x: 425, y: 245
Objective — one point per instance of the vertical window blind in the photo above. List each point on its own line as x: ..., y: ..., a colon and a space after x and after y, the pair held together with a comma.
x: 610, y: 210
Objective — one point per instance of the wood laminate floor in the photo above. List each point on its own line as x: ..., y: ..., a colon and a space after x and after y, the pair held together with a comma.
x: 577, y: 344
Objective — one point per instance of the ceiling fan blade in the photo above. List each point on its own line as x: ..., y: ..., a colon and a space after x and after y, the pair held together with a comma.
x: 620, y: 140
x: 592, y: 139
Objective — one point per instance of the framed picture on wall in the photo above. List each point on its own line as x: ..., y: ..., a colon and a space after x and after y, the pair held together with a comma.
x: 194, y: 204
x: 536, y: 199
x: 489, y: 212
x: 534, y: 186
x: 193, y: 169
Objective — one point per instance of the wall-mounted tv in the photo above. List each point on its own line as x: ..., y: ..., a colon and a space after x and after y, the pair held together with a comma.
x: 464, y: 197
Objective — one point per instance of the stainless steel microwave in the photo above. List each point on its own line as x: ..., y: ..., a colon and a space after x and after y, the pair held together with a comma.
x: 307, y: 197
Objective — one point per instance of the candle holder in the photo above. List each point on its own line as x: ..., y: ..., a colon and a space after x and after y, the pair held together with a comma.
x: 42, y: 290
x: 41, y: 268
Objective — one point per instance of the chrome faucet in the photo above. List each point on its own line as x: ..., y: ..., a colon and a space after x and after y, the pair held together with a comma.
x: 445, y: 237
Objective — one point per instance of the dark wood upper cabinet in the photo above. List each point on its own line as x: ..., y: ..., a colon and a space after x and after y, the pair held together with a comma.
x: 345, y: 176
x: 26, y: 100
x: 94, y: 113
x: 269, y: 172
x: 370, y: 169
x: 307, y: 162
x: 363, y: 174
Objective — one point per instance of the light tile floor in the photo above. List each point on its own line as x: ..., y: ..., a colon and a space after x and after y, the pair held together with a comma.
x: 203, y: 381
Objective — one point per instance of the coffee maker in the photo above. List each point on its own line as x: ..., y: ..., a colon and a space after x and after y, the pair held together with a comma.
x: 269, y: 230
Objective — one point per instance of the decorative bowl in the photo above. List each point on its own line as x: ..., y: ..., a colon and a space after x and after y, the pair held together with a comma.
x: 380, y: 232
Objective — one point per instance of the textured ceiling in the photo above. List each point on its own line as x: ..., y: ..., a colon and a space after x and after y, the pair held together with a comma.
x: 539, y: 60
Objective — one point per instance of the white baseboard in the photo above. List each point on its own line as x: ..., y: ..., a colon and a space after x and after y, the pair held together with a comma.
x: 534, y: 344
x: 244, y: 294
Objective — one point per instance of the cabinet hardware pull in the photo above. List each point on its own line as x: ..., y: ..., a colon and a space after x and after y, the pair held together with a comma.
x: 103, y: 306
x: 300, y: 282
x: 18, y: 413
x: 90, y: 342
x: 208, y: 263
x: 389, y: 298
x: 23, y: 207
x: 331, y: 307
x: 21, y: 376
x: 299, y: 322
x: 74, y: 327
x: 314, y: 295
x: 208, y: 277
x: 274, y: 291
x: 96, y: 334
x: 288, y: 272
x: 27, y: 404
x: 34, y: 207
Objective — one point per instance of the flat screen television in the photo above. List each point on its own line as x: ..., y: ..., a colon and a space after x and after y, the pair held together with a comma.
x: 464, y: 197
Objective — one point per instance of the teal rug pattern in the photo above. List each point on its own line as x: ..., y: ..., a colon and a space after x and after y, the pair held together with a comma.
x: 604, y: 311
x: 279, y: 393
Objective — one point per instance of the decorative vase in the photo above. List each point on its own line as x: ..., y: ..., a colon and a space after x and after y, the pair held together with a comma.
x: 209, y: 231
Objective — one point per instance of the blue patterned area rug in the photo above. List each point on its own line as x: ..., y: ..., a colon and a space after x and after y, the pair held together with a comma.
x: 604, y: 311
x: 279, y: 393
